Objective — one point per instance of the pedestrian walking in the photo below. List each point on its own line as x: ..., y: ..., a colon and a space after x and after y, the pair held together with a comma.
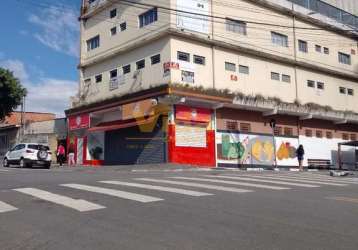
x: 300, y: 152
x: 61, y: 154
x: 71, y: 155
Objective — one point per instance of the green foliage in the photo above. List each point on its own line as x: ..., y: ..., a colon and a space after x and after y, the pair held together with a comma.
x: 11, y: 93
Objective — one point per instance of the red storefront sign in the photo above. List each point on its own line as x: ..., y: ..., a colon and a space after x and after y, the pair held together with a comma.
x: 185, y: 113
x: 170, y: 65
x: 79, y: 122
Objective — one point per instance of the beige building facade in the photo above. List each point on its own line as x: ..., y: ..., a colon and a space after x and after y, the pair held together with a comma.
x: 275, y: 58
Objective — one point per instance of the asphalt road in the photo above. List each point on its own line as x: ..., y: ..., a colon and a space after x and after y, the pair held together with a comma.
x: 168, y: 209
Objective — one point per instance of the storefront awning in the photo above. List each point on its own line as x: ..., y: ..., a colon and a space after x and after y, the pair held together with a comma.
x: 108, y: 126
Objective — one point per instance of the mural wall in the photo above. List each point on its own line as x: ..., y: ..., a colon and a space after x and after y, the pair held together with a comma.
x: 237, y: 149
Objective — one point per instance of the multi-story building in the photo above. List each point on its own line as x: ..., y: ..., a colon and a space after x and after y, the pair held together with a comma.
x: 201, y: 81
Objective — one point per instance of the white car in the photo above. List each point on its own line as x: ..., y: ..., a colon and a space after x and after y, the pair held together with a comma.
x: 27, y: 155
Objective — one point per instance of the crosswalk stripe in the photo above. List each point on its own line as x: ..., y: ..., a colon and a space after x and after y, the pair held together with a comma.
x: 300, y: 180
x: 114, y: 192
x: 267, y: 181
x: 4, y: 207
x: 319, y: 176
x: 79, y: 205
x: 190, y: 184
x: 330, y: 180
x: 159, y: 188
x: 232, y: 183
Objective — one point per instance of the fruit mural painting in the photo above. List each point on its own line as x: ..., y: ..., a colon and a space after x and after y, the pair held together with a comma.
x: 286, y: 151
x: 254, y: 150
x: 241, y: 149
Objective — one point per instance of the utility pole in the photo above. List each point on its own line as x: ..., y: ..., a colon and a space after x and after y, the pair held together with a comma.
x: 273, y: 126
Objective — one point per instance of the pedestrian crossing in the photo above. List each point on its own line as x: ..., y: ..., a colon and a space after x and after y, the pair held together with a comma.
x: 201, y: 185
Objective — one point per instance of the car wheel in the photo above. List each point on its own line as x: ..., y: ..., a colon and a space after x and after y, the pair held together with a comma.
x: 22, y: 163
x: 5, y: 163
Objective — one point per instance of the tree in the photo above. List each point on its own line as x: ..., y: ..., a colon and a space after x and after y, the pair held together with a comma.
x: 11, y: 93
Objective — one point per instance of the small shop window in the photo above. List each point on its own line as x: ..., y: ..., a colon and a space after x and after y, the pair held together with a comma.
x: 353, y: 137
x: 232, y: 125
x: 277, y: 131
x: 329, y: 135
x: 319, y: 134
x: 245, y: 127
x: 308, y: 132
x: 345, y: 136
x: 288, y: 131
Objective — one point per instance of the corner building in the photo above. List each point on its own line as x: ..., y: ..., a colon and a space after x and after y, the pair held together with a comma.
x: 199, y: 81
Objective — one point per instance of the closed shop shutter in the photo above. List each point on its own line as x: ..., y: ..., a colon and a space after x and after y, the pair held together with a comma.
x: 132, y: 146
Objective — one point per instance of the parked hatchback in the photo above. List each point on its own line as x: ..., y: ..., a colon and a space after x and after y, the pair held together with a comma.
x: 28, y: 155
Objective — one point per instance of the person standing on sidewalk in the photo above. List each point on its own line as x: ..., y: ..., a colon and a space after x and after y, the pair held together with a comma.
x: 61, y: 154
x: 71, y: 155
x: 300, y: 152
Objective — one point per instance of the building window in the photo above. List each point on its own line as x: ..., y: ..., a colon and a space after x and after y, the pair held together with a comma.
x: 232, y: 125
x: 308, y: 133
x: 182, y: 56
x: 319, y: 134
x: 275, y: 76
x: 345, y: 136
x: 302, y: 46
x: 277, y: 131
x: 113, y: 13
x: 286, y: 78
x: 279, y: 39
x: 350, y: 92
x: 344, y: 58
x: 113, y: 73
x: 93, y: 43
x: 113, y: 31
x: 148, y: 17
x: 245, y: 127
x: 127, y: 69
x: 230, y: 66
x: 288, y: 131
x: 320, y: 85
x: 199, y: 60
x: 329, y: 135
x: 244, y: 69
x: 353, y: 137
x: 342, y: 90
x: 98, y: 78
x: 187, y: 76
x: 155, y: 59
x: 326, y: 50
x: 311, y: 84
x: 318, y: 48
x: 140, y: 64
x: 123, y: 26
x: 236, y: 26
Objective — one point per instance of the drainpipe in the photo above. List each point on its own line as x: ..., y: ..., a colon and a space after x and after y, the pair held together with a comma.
x: 213, y: 46
x: 294, y: 47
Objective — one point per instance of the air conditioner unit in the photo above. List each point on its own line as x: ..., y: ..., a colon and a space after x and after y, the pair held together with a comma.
x: 113, y: 83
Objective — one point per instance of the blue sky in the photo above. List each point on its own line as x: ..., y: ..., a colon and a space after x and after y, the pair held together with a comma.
x: 40, y: 44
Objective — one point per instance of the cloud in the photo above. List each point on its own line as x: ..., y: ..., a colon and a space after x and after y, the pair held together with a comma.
x: 59, y: 29
x: 17, y: 67
x: 46, y: 94
x: 50, y: 95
